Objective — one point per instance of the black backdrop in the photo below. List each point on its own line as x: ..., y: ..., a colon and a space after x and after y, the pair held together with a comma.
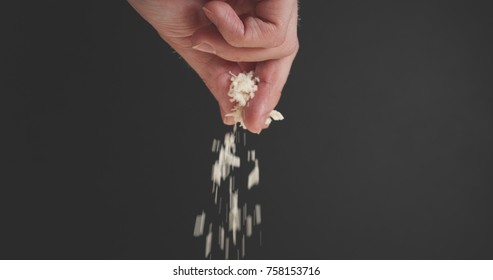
x: 385, y: 153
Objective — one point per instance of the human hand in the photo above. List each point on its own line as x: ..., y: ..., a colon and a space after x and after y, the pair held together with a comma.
x: 219, y: 37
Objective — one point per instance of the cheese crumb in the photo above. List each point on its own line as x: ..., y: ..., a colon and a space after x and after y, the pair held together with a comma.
x: 234, y: 215
x: 274, y: 115
x: 253, y: 177
x: 208, y: 244
x: 236, y: 222
x: 258, y: 215
x: 199, y: 225
x: 249, y: 226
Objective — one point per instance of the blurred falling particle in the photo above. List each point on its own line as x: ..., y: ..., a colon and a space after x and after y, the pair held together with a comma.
x: 226, y: 253
x: 199, y: 225
x: 208, y: 244
x: 234, y: 223
x: 254, y: 176
x: 249, y: 226
x: 258, y: 215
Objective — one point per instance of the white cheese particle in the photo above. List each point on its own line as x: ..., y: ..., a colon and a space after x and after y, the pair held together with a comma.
x: 208, y: 244
x: 249, y: 226
x: 199, y: 225
x: 258, y: 214
x: 254, y: 176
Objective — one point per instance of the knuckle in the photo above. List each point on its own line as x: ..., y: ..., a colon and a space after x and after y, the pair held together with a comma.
x: 296, y: 47
x: 235, y: 39
x: 277, y: 42
x: 277, y: 39
x: 290, y: 48
x: 278, y: 34
x: 234, y: 35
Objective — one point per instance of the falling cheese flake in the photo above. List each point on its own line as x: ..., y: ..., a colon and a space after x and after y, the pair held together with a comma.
x: 227, y: 160
x: 215, y: 145
x: 226, y: 253
x: 199, y: 225
x: 251, y: 155
x: 237, y: 222
x: 249, y: 226
x: 274, y: 115
x: 253, y: 177
x: 258, y: 215
x: 221, y: 238
x: 234, y: 216
x: 208, y: 244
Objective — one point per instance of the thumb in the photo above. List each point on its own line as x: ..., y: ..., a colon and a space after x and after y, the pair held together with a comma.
x: 273, y: 75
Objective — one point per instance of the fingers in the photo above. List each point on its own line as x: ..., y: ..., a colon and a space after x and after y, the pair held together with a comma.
x: 273, y: 53
x: 273, y: 75
x: 265, y: 27
x: 215, y: 72
x: 260, y: 37
x: 209, y: 40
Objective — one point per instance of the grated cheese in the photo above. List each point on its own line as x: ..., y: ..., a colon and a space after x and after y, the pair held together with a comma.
x: 242, y: 89
x: 208, y: 244
x: 249, y: 226
x: 258, y: 215
x: 253, y: 177
x: 238, y: 222
x: 199, y: 225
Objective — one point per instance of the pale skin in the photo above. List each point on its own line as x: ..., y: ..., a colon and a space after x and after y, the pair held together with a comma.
x: 219, y: 37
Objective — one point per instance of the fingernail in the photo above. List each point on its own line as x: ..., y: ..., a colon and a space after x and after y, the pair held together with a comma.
x: 209, y: 15
x: 266, y: 125
x: 205, y: 47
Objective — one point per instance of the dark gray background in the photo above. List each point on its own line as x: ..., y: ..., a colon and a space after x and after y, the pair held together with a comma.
x: 385, y: 153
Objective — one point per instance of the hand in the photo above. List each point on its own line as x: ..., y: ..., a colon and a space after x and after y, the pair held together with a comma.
x: 218, y: 37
